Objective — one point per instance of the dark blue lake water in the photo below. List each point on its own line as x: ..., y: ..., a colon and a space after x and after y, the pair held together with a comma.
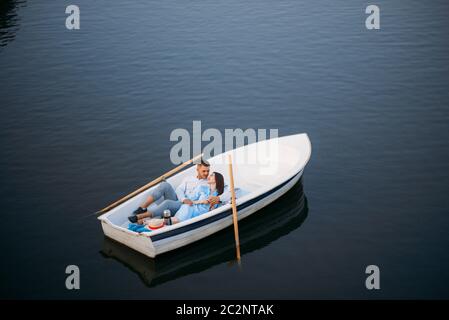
x: 86, y: 115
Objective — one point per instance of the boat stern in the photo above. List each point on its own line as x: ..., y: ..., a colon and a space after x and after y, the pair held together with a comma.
x: 137, y: 241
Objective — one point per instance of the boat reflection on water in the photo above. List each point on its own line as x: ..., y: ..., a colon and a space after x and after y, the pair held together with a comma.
x: 257, y: 231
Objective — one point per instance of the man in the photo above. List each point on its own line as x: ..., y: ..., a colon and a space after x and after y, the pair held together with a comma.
x: 173, y: 199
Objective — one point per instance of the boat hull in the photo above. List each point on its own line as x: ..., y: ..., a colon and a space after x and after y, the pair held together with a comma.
x: 152, y: 246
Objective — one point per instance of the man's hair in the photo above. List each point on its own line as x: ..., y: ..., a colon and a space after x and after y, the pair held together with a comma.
x: 204, y: 162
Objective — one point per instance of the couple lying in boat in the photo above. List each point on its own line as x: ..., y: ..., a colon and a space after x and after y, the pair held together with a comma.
x: 193, y: 197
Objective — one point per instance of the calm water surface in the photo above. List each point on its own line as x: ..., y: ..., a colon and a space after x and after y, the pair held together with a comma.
x: 85, y: 117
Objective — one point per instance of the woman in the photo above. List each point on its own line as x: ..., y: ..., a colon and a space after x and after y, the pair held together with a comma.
x: 200, y: 204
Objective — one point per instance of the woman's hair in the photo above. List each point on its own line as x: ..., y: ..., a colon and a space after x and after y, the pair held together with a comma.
x: 219, y: 182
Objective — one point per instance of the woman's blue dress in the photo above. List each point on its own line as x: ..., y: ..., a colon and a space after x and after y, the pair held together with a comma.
x: 186, y: 212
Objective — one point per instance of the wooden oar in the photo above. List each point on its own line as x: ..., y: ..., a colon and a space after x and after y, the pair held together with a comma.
x: 149, y: 185
x: 234, y: 210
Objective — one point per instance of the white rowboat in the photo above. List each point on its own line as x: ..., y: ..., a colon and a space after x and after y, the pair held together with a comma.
x: 260, y: 186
